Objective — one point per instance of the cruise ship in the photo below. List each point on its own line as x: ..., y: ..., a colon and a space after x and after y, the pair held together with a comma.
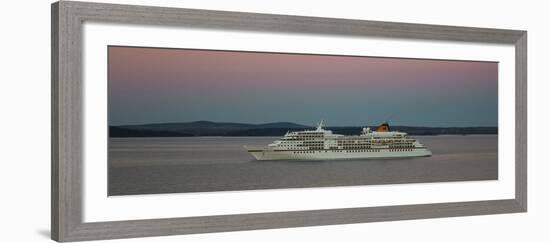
x: 321, y: 144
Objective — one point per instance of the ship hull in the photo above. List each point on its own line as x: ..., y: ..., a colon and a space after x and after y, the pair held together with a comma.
x: 338, y: 154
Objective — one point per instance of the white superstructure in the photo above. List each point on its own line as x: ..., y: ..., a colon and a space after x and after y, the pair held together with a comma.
x: 321, y: 144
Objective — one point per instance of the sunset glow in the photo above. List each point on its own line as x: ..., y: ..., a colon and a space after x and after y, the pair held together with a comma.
x: 155, y: 85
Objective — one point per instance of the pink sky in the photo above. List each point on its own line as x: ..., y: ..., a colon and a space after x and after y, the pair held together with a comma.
x: 170, y: 85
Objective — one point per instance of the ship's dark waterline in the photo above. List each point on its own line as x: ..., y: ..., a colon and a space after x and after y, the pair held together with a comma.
x: 201, y: 164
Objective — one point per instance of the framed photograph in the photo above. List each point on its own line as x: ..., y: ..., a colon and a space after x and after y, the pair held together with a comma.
x: 173, y: 121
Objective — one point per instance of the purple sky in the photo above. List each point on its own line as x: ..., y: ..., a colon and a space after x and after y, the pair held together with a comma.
x: 154, y: 85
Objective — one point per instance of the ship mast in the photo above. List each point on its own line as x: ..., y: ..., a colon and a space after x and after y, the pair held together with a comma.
x: 320, y: 126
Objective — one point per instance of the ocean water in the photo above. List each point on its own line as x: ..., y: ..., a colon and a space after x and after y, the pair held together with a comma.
x: 201, y: 164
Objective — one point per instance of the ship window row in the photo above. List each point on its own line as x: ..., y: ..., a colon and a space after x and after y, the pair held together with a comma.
x: 301, y: 138
x: 337, y: 151
x: 354, y: 142
x: 315, y: 148
x: 363, y: 150
x: 391, y: 138
x: 302, y: 145
x: 350, y: 150
x: 391, y: 143
x: 402, y: 146
x: 400, y: 150
x: 305, y: 142
x: 317, y: 151
x: 304, y: 152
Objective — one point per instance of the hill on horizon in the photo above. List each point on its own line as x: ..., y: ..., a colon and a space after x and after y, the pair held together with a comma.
x: 209, y: 128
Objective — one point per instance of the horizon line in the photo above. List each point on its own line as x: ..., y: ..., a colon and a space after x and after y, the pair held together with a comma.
x: 312, y: 126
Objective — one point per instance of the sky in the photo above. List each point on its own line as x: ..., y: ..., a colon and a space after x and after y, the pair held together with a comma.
x: 159, y: 85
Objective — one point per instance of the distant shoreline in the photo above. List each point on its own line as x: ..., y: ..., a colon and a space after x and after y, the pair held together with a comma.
x: 437, y: 135
x: 217, y: 129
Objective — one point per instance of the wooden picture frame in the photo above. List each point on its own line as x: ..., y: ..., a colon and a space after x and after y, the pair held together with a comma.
x: 67, y: 119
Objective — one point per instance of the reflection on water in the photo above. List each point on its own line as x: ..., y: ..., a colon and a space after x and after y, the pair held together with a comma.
x: 191, y: 164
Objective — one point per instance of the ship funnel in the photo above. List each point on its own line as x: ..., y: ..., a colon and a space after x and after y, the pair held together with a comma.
x: 385, y: 127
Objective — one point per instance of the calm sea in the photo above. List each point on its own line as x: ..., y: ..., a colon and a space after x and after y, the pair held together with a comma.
x: 199, y: 164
